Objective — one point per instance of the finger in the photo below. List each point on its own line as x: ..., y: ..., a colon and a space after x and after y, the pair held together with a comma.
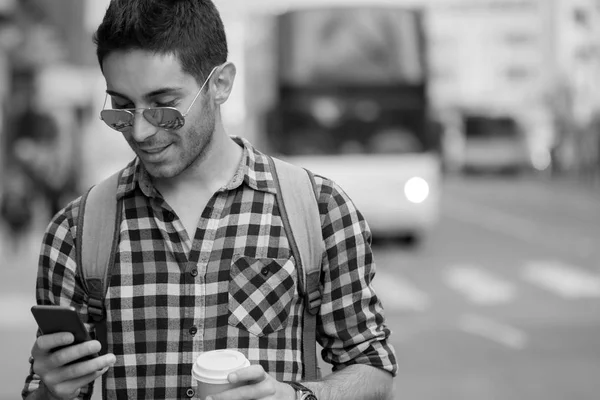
x: 260, y: 390
x: 73, y: 386
x: 46, y: 343
x: 89, y: 367
x: 75, y: 352
x: 77, y: 372
x: 253, y: 373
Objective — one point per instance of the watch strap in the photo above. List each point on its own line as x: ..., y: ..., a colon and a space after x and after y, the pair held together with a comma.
x: 302, y: 392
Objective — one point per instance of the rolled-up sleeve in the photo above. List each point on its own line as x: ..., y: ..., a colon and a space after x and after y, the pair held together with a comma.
x: 352, y: 327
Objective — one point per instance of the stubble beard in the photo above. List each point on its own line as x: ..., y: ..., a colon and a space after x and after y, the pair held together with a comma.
x: 204, y: 131
x: 198, y: 143
x: 202, y: 135
x: 205, y: 134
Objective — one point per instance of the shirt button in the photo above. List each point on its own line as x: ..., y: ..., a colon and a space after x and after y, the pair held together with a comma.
x: 193, y: 330
x: 265, y: 271
x: 190, y: 393
x: 194, y: 272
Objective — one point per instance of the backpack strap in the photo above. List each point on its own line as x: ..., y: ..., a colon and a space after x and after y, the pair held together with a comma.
x: 299, y: 208
x: 97, y: 239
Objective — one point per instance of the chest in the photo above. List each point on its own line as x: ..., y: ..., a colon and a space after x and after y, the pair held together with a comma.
x: 190, y: 208
x: 219, y: 226
x: 240, y: 252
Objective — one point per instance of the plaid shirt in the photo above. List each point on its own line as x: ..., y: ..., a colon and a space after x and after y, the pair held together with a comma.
x: 233, y: 286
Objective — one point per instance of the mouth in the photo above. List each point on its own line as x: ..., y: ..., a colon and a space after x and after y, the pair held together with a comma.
x: 155, y: 152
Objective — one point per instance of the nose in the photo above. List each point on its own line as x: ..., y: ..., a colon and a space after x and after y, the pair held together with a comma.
x: 142, y: 129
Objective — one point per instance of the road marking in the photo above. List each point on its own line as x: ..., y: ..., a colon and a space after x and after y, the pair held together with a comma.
x: 565, y: 280
x: 493, y: 330
x: 479, y: 286
x: 398, y: 293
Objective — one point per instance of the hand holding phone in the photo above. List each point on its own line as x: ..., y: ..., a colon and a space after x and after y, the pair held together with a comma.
x: 54, y: 319
x: 59, y: 382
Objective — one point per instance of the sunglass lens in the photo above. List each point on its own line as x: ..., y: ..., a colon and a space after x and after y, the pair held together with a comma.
x: 118, y: 120
x: 165, y: 118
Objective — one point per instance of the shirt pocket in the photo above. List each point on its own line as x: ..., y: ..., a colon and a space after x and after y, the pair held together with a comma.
x: 261, y: 291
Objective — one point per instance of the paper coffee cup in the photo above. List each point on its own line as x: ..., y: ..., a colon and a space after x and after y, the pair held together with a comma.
x: 211, y: 369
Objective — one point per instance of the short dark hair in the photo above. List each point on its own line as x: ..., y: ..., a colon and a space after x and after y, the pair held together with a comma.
x: 192, y: 30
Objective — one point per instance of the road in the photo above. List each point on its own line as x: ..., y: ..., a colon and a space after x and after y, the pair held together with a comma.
x: 502, y: 300
x: 499, y: 303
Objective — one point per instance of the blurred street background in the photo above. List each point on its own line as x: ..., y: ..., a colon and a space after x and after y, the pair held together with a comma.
x: 466, y: 131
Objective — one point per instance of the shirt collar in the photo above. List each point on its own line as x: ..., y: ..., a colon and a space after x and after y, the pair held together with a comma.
x: 254, y: 171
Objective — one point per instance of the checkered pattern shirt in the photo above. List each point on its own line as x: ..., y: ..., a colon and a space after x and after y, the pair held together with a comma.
x: 234, y: 285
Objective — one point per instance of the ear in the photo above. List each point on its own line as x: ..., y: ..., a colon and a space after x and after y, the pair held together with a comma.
x: 222, y: 84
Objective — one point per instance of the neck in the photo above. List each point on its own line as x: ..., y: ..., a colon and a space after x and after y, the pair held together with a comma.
x: 212, y: 170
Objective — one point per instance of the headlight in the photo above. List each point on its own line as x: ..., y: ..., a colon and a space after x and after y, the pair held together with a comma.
x: 416, y: 190
x: 541, y: 160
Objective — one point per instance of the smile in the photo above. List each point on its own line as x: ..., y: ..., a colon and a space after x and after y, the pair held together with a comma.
x: 154, y: 153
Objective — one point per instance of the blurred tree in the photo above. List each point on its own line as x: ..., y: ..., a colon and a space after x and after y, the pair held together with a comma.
x: 67, y: 19
x: 40, y: 41
x: 33, y: 151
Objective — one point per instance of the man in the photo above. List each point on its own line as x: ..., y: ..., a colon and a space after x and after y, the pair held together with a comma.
x: 199, y: 216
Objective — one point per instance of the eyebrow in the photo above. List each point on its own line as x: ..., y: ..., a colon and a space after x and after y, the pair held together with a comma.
x: 149, y: 95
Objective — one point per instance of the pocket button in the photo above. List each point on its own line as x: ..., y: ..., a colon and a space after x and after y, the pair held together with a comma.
x: 265, y: 271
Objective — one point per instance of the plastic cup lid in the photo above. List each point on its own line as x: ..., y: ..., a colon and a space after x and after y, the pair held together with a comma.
x: 214, y: 366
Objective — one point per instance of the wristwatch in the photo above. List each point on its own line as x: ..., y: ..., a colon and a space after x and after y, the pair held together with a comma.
x: 302, y: 392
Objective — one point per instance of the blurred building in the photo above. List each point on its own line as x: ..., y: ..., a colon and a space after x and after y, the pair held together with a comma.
x: 495, y: 57
x: 537, y: 60
x: 515, y: 57
x: 577, y: 83
x: 526, y: 57
x: 491, y: 54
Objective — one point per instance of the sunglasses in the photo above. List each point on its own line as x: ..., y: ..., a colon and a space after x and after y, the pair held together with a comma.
x: 162, y: 117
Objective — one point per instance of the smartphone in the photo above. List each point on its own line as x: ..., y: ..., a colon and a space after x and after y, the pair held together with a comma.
x: 53, y: 319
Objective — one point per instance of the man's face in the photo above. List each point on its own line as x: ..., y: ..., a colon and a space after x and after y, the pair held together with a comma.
x: 140, y: 79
